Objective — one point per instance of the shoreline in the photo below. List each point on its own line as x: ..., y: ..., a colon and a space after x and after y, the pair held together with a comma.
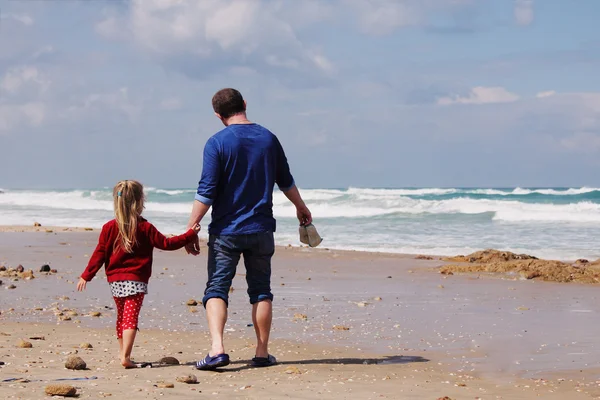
x: 501, y: 333
x: 321, y: 248
x: 58, y: 229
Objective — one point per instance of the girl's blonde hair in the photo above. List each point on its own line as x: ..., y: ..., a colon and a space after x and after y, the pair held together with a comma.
x: 129, y: 204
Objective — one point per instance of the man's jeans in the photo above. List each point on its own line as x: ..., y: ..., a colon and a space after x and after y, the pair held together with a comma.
x: 223, y: 256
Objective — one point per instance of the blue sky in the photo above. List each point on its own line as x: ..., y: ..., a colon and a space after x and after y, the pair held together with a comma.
x: 369, y: 93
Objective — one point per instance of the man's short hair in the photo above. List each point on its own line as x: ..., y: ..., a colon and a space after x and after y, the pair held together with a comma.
x: 228, y: 102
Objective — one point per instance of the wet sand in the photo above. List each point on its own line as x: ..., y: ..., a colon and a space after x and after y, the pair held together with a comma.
x: 413, y: 333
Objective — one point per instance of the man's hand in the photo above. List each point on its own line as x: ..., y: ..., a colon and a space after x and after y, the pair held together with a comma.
x: 193, y: 247
x: 196, y: 228
x: 81, y: 285
x: 304, y: 216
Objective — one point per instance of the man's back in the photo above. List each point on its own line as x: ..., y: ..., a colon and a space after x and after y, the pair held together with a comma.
x: 242, y: 163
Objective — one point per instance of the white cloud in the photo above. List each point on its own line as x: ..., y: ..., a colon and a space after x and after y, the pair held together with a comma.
x: 13, y: 115
x: 22, y: 18
x: 172, y: 103
x: 524, y: 12
x: 587, y: 142
x: 118, y: 100
x: 109, y: 28
x: 16, y: 78
x: 548, y: 93
x: 44, y: 50
x: 249, y: 32
x: 481, y: 95
x: 381, y: 17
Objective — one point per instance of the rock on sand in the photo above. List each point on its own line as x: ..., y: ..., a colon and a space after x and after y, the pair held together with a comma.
x: 61, y: 390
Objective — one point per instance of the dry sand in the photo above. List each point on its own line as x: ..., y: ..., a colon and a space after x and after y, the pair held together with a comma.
x: 412, y: 333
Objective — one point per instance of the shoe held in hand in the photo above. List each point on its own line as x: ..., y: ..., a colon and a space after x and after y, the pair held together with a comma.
x: 309, y: 235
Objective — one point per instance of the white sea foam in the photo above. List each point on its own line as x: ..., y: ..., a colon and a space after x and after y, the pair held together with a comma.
x: 173, y: 192
x: 356, y: 203
x: 401, y: 192
x: 365, y: 205
x: 388, y: 220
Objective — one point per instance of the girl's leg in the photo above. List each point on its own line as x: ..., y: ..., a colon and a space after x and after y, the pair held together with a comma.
x: 120, y: 303
x: 131, y: 313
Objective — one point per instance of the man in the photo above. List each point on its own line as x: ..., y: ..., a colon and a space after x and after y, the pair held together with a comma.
x: 241, y: 165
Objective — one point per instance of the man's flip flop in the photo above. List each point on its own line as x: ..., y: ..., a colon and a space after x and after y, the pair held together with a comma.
x: 260, y: 362
x: 143, y: 365
x: 211, y: 363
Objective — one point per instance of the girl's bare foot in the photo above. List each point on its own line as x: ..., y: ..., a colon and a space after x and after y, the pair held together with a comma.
x: 127, y: 363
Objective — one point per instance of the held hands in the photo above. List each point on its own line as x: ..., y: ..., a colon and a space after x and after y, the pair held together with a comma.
x: 304, y: 215
x: 196, y: 228
x: 81, y: 285
x: 193, y: 247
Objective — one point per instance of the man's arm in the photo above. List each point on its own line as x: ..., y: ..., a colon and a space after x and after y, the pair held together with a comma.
x: 285, y: 181
x: 207, y: 190
x: 302, y: 212
x: 199, y: 210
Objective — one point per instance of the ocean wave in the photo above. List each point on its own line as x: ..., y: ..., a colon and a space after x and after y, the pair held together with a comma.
x: 174, y: 192
x: 489, y: 192
x: 401, y: 192
x: 501, y: 210
x: 333, y: 203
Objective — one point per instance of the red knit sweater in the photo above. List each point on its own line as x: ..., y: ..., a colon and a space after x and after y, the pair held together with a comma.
x: 136, y: 266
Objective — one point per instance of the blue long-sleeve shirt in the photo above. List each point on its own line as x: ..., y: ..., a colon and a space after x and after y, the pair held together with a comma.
x: 242, y: 163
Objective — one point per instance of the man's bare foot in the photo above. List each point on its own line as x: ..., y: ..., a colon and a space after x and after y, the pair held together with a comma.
x: 127, y: 363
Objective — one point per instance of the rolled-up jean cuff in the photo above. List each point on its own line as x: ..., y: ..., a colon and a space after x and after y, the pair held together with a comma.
x: 209, y: 296
x: 261, y: 297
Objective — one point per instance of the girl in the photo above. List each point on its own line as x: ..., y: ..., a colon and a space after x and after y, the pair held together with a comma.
x: 125, y: 248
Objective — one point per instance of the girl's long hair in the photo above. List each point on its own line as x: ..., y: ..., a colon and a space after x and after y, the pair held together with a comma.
x: 129, y: 204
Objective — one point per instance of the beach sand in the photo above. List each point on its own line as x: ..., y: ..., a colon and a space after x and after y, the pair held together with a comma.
x: 346, y: 325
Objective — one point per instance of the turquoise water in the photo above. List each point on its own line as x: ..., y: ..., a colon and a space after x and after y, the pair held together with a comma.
x: 560, y: 223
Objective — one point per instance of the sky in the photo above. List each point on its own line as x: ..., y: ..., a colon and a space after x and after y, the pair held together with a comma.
x: 361, y: 93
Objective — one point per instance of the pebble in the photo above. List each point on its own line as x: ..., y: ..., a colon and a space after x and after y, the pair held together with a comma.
x: 75, y: 363
x: 12, y: 287
x: 292, y: 370
x: 340, y: 328
x: 95, y: 314
x: 191, y: 302
x: 20, y: 268
x: 24, y: 345
x: 85, y: 346
x: 189, y: 379
x: 165, y: 385
x: 61, y: 390
x: 169, y: 361
x: 300, y: 316
x: 45, y: 268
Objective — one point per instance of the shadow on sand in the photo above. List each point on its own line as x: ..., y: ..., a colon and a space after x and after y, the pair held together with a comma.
x: 243, y: 365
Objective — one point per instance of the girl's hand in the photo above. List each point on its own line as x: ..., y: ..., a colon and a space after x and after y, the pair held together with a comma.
x: 81, y: 285
x: 196, y: 228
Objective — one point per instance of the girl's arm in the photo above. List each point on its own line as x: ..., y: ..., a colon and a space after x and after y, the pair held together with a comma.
x: 159, y: 240
x: 98, y: 258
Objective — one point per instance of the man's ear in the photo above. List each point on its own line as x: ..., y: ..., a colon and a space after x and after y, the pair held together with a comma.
x: 219, y: 116
x: 245, y: 105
